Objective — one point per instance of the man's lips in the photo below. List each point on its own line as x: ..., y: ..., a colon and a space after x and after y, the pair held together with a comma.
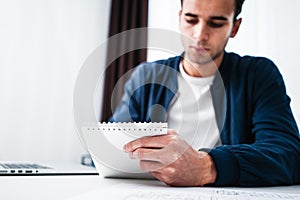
x: 199, y: 49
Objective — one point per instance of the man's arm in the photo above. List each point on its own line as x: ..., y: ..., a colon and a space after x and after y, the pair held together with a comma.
x: 273, y: 158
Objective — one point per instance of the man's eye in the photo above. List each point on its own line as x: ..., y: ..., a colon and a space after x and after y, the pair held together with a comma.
x: 215, y: 25
x: 191, y: 21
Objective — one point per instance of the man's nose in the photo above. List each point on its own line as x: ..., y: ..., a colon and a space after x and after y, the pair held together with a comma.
x: 201, y: 32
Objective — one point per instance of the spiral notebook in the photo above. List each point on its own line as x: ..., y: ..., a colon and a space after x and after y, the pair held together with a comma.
x: 105, y: 143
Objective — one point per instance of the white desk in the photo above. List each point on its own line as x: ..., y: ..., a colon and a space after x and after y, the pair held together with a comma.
x: 94, y: 187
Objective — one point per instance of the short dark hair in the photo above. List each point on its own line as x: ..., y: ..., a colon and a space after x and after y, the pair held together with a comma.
x: 238, y: 7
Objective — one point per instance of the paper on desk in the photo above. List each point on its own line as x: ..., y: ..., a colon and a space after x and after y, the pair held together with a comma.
x: 146, y: 192
x: 153, y: 190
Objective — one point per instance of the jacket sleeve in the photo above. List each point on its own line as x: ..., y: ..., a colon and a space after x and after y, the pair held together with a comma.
x: 129, y: 109
x: 274, y: 157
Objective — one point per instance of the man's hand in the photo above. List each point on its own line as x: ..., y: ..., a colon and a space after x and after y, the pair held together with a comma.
x: 172, y: 160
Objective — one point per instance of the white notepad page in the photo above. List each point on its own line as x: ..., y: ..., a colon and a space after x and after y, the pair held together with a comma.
x: 105, y: 142
x: 118, y: 134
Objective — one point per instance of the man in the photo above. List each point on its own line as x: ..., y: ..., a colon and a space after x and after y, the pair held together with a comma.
x: 259, y: 141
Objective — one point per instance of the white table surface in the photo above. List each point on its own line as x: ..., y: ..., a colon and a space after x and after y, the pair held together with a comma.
x: 95, y: 187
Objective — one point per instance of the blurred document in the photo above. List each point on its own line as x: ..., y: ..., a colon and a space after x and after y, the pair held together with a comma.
x: 155, y: 190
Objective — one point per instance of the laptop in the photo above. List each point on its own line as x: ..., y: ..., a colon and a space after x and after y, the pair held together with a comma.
x: 9, y: 168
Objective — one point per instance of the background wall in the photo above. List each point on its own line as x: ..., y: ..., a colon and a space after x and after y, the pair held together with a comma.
x: 43, y: 44
x: 270, y: 28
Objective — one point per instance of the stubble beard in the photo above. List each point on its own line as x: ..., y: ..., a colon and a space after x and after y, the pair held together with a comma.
x: 198, y: 59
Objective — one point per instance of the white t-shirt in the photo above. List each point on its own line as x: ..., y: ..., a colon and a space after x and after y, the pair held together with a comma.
x: 191, y: 112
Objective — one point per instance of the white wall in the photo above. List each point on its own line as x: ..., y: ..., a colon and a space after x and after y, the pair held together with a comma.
x: 43, y: 44
x: 270, y: 28
x: 163, y: 14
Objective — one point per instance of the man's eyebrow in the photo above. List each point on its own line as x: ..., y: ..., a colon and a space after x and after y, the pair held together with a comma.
x: 190, y: 15
x: 219, y: 18
x: 212, y: 17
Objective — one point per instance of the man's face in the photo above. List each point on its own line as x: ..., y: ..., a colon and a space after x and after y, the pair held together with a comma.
x: 206, y: 26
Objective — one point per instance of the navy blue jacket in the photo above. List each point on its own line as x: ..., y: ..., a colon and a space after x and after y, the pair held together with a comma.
x: 260, y: 138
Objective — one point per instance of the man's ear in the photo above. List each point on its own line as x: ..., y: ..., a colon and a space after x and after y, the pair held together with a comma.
x: 179, y: 14
x: 179, y: 18
x: 235, y: 27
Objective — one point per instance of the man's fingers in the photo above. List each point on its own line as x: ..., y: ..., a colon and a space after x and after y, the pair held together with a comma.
x: 172, y: 132
x: 162, y: 156
x: 150, y: 166
x: 145, y: 154
x: 149, y: 142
